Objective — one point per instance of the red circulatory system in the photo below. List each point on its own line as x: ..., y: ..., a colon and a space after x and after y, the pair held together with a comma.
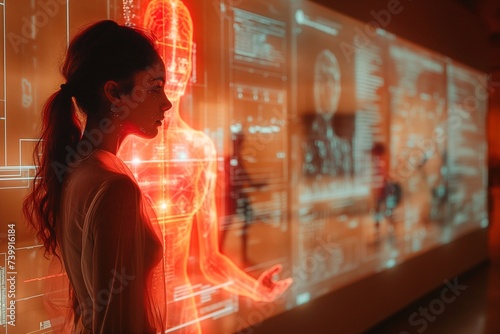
x: 177, y: 170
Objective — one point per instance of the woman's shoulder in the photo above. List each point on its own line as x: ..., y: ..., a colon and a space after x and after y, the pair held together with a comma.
x: 100, y: 168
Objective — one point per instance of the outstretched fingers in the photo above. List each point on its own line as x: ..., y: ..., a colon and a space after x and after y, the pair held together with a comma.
x: 274, y: 270
x: 281, y: 287
x: 274, y: 288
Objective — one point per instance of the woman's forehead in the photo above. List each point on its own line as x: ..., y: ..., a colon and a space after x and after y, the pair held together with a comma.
x: 151, y: 73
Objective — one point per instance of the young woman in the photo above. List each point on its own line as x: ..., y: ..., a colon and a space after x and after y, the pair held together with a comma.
x: 85, y: 204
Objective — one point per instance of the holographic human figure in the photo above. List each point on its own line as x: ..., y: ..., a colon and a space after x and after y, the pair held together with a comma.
x: 177, y: 170
x: 237, y: 200
x: 325, y: 152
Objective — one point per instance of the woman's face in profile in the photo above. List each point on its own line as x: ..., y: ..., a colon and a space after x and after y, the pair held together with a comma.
x: 147, y: 102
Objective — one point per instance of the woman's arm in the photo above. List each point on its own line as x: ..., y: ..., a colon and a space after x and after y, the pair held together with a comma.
x: 218, y: 268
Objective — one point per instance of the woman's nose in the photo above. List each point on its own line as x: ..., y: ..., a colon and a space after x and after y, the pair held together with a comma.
x: 167, y: 104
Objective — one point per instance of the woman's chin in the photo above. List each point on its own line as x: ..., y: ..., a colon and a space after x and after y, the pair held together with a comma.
x: 147, y: 133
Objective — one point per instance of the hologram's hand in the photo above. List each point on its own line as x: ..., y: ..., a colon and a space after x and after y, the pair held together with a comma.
x: 267, y: 289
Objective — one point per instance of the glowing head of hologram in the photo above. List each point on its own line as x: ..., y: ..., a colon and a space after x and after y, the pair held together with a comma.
x: 171, y: 23
x: 326, y: 83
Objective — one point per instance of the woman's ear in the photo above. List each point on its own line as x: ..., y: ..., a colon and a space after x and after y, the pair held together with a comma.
x: 112, y: 92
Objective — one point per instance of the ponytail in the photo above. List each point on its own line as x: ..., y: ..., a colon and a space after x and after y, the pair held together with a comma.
x: 60, y: 130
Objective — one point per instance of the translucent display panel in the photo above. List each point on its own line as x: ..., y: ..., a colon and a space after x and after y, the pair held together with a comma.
x: 331, y: 147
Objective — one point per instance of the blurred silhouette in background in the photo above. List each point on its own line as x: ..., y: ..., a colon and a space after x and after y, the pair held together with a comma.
x: 386, y: 192
x: 237, y: 202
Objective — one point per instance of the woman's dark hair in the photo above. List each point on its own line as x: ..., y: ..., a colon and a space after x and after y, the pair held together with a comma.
x: 101, y: 52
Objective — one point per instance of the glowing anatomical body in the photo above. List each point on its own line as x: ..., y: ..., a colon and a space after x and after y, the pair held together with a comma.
x: 177, y: 171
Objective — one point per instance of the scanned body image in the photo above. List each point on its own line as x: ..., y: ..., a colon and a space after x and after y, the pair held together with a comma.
x: 178, y: 170
x: 325, y: 153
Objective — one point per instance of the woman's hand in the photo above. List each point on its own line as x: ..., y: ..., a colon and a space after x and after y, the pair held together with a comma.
x: 267, y: 289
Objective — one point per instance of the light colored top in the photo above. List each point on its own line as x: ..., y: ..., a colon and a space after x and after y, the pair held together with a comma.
x: 111, y: 251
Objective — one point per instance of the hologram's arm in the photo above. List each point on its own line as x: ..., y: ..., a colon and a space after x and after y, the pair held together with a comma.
x: 218, y: 268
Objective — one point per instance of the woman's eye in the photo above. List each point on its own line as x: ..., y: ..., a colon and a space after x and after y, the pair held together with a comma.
x: 157, y: 89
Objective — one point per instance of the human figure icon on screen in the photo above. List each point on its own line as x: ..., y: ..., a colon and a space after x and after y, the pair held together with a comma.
x: 237, y: 201
x: 386, y: 192
x: 177, y: 170
x: 326, y: 153
x: 439, y: 191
